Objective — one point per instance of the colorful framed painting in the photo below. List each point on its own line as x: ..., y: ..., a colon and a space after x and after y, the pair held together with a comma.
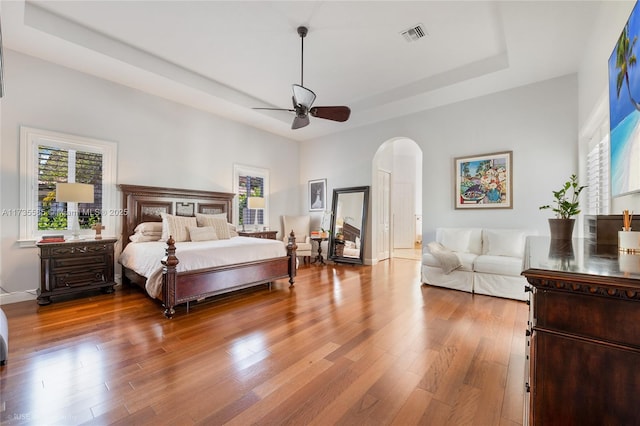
x: 317, y: 195
x: 484, y: 181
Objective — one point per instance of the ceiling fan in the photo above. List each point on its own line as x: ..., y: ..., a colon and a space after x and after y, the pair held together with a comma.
x: 303, y: 99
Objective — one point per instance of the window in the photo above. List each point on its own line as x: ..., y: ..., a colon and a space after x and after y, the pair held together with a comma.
x: 250, y: 182
x: 48, y: 158
x: 59, y: 165
x: 598, y: 172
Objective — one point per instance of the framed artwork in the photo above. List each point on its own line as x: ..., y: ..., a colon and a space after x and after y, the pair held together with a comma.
x: 317, y: 195
x: 484, y: 181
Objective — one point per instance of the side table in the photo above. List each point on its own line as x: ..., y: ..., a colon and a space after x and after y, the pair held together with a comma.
x: 319, y: 258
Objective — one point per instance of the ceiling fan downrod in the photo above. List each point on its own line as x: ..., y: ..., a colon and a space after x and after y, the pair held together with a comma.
x: 302, y: 32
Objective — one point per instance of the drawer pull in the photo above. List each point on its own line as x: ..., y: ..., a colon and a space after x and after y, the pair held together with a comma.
x: 528, y: 288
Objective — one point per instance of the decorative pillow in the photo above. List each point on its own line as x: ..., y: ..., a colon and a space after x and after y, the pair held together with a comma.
x: 218, y: 222
x: 202, y: 218
x: 505, y: 242
x: 202, y: 233
x: 232, y: 231
x: 149, y: 228
x: 455, y: 239
x: 176, y: 226
x: 448, y: 260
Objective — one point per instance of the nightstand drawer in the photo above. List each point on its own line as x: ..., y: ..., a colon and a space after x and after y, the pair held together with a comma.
x: 75, y: 278
x: 80, y: 261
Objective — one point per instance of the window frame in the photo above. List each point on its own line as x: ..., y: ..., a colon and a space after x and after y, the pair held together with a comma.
x: 258, y: 172
x: 30, y: 139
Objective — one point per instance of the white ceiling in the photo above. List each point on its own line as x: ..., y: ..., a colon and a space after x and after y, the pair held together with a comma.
x: 227, y: 57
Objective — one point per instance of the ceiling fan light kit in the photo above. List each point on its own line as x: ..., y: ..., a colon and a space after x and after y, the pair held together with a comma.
x: 303, y: 98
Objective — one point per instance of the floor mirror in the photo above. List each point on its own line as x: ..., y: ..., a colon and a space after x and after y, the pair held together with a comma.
x: 349, y: 224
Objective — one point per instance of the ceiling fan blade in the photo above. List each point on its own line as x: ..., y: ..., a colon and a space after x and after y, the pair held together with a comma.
x: 277, y: 109
x: 303, y: 96
x: 335, y: 113
x: 299, y: 122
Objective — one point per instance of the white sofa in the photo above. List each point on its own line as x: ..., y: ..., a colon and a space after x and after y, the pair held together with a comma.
x: 490, y: 261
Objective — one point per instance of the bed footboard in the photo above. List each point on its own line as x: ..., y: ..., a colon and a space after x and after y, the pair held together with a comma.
x: 203, y: 283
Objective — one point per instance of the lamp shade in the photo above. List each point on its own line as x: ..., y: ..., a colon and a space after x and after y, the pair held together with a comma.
x: 255, y: 203
x: 74, y: 192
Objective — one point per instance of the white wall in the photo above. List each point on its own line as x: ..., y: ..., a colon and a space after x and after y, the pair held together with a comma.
x: 160, y: 143
x: 593, y: 83
x: 537, y: 122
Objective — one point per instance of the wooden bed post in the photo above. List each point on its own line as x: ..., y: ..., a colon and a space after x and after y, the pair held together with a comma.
x: 169, y: 276
x: 291, y: 252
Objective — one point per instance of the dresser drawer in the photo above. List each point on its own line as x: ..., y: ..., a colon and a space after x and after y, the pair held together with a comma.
x: 588, y: 316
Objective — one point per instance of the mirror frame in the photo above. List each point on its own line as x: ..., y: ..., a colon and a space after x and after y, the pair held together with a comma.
x: 363, y: 229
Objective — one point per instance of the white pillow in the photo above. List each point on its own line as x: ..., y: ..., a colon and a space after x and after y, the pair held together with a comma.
x: 232, y: 230
x: 147, y: 228
x: 505, y: 242
x: 218, y: 222
x: 176, y: 226
x: 455, y: 239
x: 141, y: 238
x: 202, y: 233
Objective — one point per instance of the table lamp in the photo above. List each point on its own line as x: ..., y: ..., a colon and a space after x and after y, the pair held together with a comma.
x: 74, y: 193
x: 255, y: 203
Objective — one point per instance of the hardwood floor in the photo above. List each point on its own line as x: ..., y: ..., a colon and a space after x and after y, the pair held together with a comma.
x: 348, y: 345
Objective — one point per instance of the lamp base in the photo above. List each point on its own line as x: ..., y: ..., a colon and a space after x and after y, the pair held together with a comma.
x: 75, y: 228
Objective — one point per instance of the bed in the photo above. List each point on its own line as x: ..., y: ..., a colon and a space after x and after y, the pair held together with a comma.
x: 146, y: 204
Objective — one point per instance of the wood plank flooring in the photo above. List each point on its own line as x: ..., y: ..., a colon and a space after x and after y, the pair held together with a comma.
x: 348, y: 345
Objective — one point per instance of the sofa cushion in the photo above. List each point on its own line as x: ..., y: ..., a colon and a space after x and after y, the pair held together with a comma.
x: 466, y: 259
x: 499, y: 265
x: 505, y: 242
x: 461, y: 240
x: 448, y: 260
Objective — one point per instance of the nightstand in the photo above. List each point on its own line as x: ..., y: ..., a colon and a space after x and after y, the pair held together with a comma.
x: 75, y: 266
x: 269, y: 235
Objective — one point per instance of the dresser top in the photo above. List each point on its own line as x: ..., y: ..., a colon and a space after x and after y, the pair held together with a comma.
x: 580, y: 257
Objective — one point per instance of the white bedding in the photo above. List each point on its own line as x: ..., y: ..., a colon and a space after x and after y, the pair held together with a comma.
x: 144, y: 258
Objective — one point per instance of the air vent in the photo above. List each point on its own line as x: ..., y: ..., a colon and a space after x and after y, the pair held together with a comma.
x: 414, y: 33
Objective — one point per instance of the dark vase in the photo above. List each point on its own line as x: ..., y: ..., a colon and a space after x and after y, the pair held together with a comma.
x: 561, y: 229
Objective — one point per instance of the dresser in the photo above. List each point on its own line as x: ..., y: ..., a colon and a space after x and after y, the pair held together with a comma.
x: 270, y: 235
x: 75, y: 266
x: 583, y: 338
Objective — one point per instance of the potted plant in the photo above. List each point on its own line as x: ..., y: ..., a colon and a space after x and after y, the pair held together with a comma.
x: 565, y: 206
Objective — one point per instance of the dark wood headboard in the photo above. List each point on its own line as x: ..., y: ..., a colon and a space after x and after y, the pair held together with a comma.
x: 146, y: 203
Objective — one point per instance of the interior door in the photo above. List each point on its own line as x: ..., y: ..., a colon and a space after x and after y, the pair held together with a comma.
x: 404, y: 222
x: 384, y: 209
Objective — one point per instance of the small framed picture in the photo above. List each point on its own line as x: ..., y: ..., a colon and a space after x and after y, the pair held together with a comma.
x: 484, y: 181
x: 317, y: 195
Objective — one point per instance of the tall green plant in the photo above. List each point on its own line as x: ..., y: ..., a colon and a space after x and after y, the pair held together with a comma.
x: 567, y: 199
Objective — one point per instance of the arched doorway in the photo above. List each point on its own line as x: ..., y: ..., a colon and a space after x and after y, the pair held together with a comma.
x: 397, y: 200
